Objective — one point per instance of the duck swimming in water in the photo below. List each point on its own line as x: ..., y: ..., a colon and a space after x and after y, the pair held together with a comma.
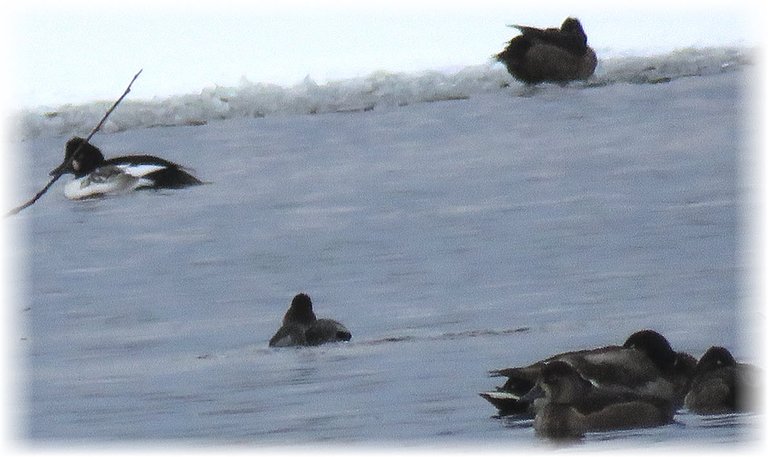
x: 722, y: 385
x: 302, y: 328
x: 549, y: 55
x: 96, y: 176
x: 571, y: 405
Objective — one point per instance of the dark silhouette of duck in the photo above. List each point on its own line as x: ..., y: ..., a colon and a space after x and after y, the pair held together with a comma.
x: 721, y: 385
x: 570, y: 405
x: 302, y: 328
x: 89, y: 166
x: 644, y: 365
x: 549, y: 55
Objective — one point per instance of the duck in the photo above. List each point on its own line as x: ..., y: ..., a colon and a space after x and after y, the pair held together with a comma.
x: 720, y: 384
x: 570, y: 405
x: 96, y: 176
x: 302, y: 328
x: 549, y: 55
x: 645, y: 364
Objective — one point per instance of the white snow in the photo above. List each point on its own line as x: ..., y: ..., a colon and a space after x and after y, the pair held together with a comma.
x: 380, y: 90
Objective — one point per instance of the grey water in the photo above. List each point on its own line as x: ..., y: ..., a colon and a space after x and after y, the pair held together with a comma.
x: 451, y: 238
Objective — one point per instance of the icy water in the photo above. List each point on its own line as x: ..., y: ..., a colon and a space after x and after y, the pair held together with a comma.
x: 450, y: 237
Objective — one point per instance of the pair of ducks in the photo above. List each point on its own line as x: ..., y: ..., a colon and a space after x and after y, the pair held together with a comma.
x: 537, y: 55
x: 639, y: 384
x: 96, y: 176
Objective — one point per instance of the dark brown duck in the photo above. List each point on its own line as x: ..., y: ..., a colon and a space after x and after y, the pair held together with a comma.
x: 644, y: 365
x: 722, y: 385
x: 302, y: 328
x: 549, y: 55
x: 572, y: 406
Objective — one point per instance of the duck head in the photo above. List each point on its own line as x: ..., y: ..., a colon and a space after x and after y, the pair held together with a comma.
x: 573, y: 26
x: 300, y: 311
x: 558, y: 382
x: 655, y: 346
x: 80, y: 158
x: 562, y: 383
x: 715, y: 357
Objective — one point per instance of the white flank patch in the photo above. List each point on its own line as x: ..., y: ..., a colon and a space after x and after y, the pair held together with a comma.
x: 139, y: 171
x: 86, y: 187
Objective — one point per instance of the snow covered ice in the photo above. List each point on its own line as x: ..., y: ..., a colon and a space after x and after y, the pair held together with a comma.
x: 378, y: 90
x: 489, y: 228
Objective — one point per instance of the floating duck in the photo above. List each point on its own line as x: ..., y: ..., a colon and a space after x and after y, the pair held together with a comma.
x: 644, y: 365
x: 721, y: 385
x: 571, y: 405
x: 96, y: 176
x: 302, y: 328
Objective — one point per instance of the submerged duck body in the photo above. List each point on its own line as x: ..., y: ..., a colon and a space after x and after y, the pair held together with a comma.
x: 571, y: 406
x: 721, y: 385
x: 549, y: 55
x: 96, y: 176
x: 302, y: 328
x: 644, y: 365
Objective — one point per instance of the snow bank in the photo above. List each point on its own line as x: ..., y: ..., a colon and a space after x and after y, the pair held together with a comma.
x: 378, y: 90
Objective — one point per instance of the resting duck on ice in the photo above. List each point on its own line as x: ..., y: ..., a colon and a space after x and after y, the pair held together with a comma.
x: 549, y: 55
x: 302, y: 328
x: 95, y: 176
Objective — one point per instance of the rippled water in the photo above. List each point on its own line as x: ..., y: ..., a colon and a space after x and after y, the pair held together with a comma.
x: 451, y: 238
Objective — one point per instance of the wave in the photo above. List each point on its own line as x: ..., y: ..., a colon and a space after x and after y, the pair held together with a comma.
x: 447, y: 336
x: 378, y: 90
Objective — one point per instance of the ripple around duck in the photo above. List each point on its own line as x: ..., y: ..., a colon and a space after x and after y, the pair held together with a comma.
x: 445, y: 336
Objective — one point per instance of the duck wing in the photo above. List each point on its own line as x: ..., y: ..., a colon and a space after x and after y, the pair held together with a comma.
x: 289, y: 335
x: 163, y: 173
x: 570, y: 42
x: 327, y: 331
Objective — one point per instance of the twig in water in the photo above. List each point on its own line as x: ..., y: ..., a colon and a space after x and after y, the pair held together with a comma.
x: 69, y: 161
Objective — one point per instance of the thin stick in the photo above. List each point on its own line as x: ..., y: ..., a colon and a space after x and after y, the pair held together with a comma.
x: 69, y: 161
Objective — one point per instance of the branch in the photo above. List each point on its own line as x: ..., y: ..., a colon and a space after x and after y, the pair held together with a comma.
x: 69, y: 161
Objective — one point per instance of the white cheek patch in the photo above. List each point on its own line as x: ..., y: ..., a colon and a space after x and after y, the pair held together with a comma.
x: 76, y: 165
